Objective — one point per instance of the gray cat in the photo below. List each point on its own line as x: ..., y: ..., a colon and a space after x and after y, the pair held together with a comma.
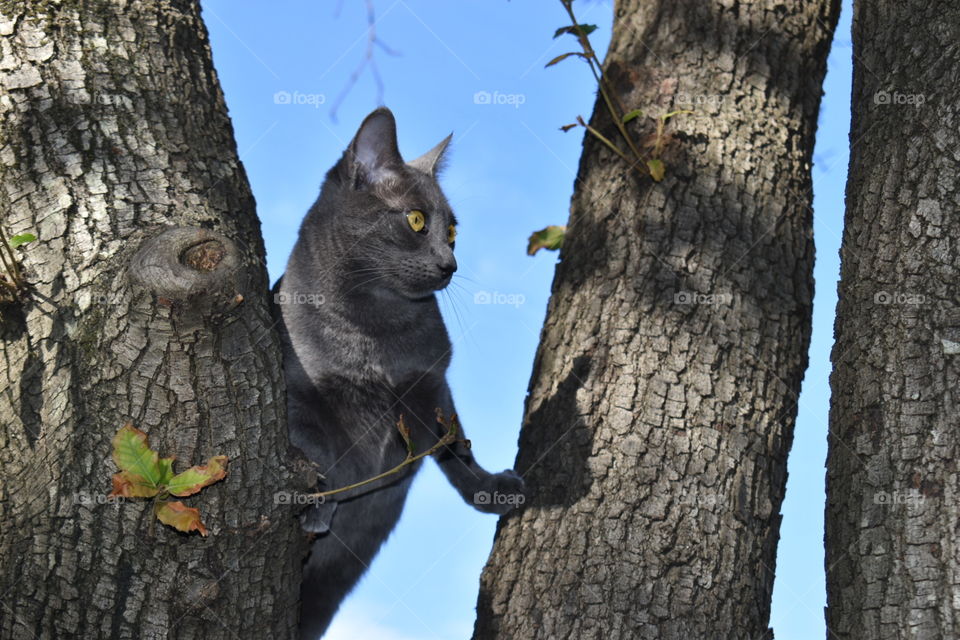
x: 364, y: 345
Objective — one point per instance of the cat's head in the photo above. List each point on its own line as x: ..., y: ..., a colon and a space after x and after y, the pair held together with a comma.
x: 394, y: 229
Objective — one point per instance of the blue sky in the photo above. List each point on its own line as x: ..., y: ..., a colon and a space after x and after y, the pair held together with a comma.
x: 510, y: 171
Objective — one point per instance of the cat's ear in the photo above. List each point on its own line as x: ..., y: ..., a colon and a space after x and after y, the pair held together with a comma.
x: 373, y: 155
x: 432, y: 161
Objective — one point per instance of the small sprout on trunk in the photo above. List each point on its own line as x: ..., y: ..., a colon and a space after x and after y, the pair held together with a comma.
x: 144, y: 474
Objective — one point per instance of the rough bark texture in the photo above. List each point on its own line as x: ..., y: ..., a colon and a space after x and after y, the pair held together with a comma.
x: 663, y: 396
x: 893, y: 559
x: 113, y: 131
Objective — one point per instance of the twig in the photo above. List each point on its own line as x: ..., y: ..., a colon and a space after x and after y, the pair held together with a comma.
x: 591, y: 60
x: 448, y: 438
x: 368, y: 59
x: 605, y: 141
x: 12, y: 278
x: 11, y: 267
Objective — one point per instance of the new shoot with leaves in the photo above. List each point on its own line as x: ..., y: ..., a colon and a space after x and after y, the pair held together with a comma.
x: 11, y: 278
x: 651, y: 164
x: 144, y: 474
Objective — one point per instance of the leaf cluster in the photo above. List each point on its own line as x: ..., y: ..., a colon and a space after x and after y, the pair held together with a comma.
x: 648, y: 164
x: 144, y: 474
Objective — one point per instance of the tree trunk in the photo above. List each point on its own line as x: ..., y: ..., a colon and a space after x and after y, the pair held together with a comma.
x: 893, y: 560
x: 663, y: 396
x: 117, y: 152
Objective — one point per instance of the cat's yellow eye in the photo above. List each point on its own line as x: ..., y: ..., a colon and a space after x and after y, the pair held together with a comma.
x: 451, y: 234
x: 416, y: 220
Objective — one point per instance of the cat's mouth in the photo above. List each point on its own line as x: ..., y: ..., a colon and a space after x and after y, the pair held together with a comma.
x: 428, y: 290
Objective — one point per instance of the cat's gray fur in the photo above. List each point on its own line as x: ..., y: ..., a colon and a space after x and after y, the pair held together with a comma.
x: 364, y: 343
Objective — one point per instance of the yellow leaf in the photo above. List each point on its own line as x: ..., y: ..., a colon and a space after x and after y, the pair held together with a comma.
x: 657, y: 170
x: 548, y: 238
x: 193, y: 479
x: 180, y: 517
x: 130, y: 485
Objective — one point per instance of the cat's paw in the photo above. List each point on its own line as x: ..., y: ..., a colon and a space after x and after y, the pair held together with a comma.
x: 500, y: 493
x: 316, y: 518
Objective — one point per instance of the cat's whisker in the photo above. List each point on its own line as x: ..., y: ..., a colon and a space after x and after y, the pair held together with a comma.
x: 366, y: 282
x: 460, y: 286
x: 364, y: 270
x: 463, y: 277
x: 456, y: 303
x: 453, y: 306
x: 462, y: 289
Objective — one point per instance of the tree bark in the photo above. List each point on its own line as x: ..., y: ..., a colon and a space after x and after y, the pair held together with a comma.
x: 663, y: 396
x: 146, y: 303
x: 893, y: 561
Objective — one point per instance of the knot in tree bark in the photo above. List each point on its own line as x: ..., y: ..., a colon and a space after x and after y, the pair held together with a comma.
x: 183, y: 264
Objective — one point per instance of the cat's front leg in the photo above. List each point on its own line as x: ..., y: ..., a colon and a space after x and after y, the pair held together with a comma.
x: 488, y: 492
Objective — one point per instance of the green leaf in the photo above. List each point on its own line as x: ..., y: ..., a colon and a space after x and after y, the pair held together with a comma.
x: 180, y: 517
x: 627, y: 117
x: 144, y: 474
x: 130, y: 485
x: 550, y: 238
x: 564, y: 56
x: 193, y: 479
x: 657, y: 170
x: 21, y: 238
x: 667, y: 116
x: 586, y: 28
x: 166, y: 469
x: 132, y: 454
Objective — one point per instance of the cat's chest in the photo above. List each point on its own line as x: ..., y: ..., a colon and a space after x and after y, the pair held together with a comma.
x: 401, y: 360
x: 392, y: 361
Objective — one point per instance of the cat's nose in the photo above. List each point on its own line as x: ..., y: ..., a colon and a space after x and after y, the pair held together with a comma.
x: 447, y: 267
